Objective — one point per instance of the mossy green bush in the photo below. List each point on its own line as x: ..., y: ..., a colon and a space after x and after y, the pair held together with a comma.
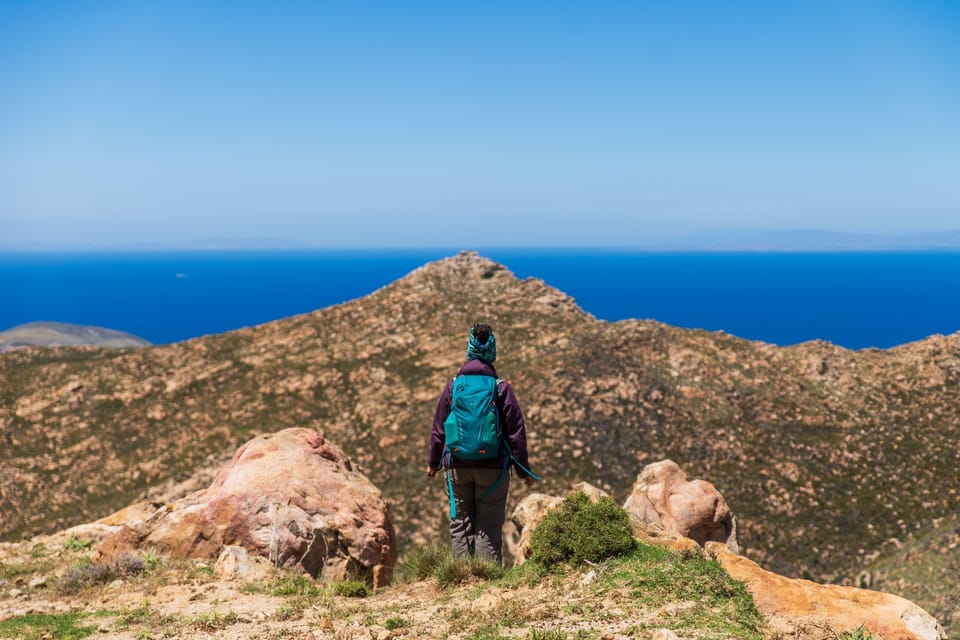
x: 581, y: 531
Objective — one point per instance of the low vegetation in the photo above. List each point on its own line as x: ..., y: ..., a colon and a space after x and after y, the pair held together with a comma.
x: 36, y: 626
x: 581, y: 531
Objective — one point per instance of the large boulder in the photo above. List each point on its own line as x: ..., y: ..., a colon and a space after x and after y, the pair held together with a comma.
x: 663, y: 497
x: 793, y: 604
x: 291, y: 497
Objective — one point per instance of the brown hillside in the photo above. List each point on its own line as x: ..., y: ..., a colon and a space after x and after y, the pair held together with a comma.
x: 824, y: 454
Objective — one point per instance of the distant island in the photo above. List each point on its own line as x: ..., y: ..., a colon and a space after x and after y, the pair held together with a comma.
x: 61, y: 334
x: 811, y: 240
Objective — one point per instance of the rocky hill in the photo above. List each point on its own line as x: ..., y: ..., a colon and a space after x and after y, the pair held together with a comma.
x: 828, y: 457
x: 61, y: 334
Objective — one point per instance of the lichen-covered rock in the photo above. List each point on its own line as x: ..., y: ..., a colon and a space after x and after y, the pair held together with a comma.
x: 662, y: 496
x: 291, y: 497
x: 792, y: 603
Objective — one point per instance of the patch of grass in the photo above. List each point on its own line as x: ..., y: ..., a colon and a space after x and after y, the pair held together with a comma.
x: 61, y: 626
x: 293, y: 584
x: 201, y: 571
x: 421, y: 562
x: 438, y: 562
x: 454, y: 571
x: 546, y: 634
x: 530, y: 573
x: 291, y: 609
x: 152, y: 560
x: 351, y: 589
x: 486, y: 632
x: 73, y: 543
x: 511, y: 614
x: 581, y: 531
x: 214, y: 620
x: 14, y: 569
x: 860, y: 633
x: 396, y: 622
x: 655, y: 576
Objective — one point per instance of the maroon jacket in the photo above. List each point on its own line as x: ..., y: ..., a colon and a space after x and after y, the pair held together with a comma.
x: 511, y: 422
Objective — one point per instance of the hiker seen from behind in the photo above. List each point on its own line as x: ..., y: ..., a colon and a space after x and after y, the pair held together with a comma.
x: 478, y: 437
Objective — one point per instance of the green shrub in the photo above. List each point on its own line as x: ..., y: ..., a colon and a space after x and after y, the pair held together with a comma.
x: 395, y: 622
x: 582, y: 531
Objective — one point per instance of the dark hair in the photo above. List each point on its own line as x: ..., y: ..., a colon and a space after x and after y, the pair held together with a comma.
x: 481, y: 331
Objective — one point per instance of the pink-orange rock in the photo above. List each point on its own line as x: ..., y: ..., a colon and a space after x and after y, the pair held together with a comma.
x: 662, y: 496
x: 291, y: 497
x: 793, y: 604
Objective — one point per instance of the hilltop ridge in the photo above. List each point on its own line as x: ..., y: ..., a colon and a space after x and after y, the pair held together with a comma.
x: 825, y: 455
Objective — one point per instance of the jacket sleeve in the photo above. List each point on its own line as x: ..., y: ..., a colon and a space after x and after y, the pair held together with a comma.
x: 437, y: 436
x: 514, y: 428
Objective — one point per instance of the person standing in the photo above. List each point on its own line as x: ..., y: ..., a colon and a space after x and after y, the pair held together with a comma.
x: 478, y: 480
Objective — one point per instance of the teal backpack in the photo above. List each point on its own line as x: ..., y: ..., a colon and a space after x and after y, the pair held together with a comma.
x: 472, y: 430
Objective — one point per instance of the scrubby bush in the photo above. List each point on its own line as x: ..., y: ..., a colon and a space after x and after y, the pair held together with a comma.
x: 580, y: 531
x: 84, y: 574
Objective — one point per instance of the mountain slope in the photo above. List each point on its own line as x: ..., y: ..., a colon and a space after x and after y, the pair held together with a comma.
x: 822, y: 453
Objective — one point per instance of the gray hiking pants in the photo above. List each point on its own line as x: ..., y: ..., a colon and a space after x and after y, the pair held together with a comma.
x: 478, y: 527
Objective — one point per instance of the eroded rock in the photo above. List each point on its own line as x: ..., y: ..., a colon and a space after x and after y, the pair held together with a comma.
x: 793, y: 603
x: 662, y: 496
x: 291, y: 497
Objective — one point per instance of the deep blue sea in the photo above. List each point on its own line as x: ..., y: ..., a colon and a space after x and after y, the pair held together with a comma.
x: 855, y: 300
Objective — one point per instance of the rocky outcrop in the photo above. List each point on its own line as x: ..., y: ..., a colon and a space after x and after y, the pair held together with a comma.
x: 663, y: 497
x: 292, y: 497
x: 793, y: 604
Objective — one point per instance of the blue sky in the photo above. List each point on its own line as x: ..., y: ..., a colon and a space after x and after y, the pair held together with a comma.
x: 475, y: 124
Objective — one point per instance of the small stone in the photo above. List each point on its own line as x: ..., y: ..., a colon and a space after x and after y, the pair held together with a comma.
x: 39, y: 581
x: 589, y: 578
x: 14, y: 593
x: 384, y: 635
x: 325, y: 623
x: 663, y: 634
